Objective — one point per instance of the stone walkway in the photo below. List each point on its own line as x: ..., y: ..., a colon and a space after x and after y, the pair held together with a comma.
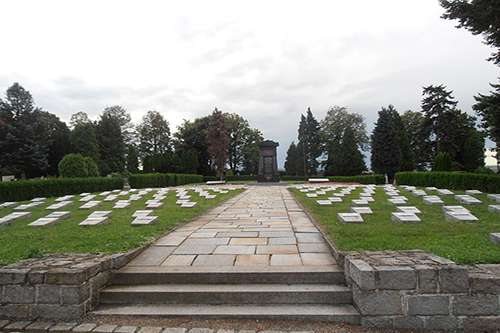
x: 262, y: 226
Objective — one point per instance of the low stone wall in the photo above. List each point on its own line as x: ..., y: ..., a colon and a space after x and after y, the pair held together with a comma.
x: 419, y: 290
x: 61, y: 286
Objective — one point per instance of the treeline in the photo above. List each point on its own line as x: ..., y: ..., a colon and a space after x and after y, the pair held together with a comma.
x: 33, y: 142
x: 399, y: 142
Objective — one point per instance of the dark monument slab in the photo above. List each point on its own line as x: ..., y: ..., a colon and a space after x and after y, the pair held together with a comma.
x: 268, y: 164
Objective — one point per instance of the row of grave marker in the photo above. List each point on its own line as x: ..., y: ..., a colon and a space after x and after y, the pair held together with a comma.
x: 142, y: 217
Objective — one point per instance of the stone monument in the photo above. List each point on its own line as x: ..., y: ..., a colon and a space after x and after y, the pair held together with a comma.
x: 268, y: 164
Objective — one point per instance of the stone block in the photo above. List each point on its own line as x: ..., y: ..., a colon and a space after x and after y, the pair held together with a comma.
x: 324, y: 202
x: 376, y: 321
x: 453, y: 279
x: 428, y: 305
x: 48, y: 294
x: 129, y: 329
x: 358, y: 202
x: 480, y: 324
x: 75, y: 295
x: 106, y: 328
x: 38, y: 327
x: 485, y: 284
x: 14, y: 311
x: 13, y: 276
x: 475, y: 305
x: 396, y: 277
x: 16, y: 326
x: 432, y: 201
x: 362, y: 210
x: 495, y: 238
x: 444, y: 192
x: 62, y: 327
x: 362, y: 274
x: 23, y: 294
x: 441, y: 323
x: 458, y: 216
x: 58, y: 311
x: 84, y: 328
x: 65, y: 276
x: 408, y: 322
x: 427, y: 279
x: 408, y: 209
x: 377, y: 302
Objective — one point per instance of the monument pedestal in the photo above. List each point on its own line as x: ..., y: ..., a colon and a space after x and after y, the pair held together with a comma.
x: 268, y: 164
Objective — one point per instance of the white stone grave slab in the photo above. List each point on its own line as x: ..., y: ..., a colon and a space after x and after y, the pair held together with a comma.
x: 123, y: 193
x: 468, y: 200
x: 135, y: 197
x: 457, y: 216
x: 358, y: 202
x: 405, y: 217
x: 110, y: 198
x: 65, y: 198
x: 419, y: 193
x: 431, y: 188
x: 45, y: 222
x: 139, y: 213
x: 189, y: 204
x: 87, y: 198
x: 324, y: 202
x: 473, y: 192
x: 105, y: 193
x: 91, y: 205
x: 495, y: 238
x: 122, y: 205
x: 185, y: 197
x: 210, y: 196
x: 335, y: 199
x: 350, y: 217
x: 368, y: 199
x: 9, y: 204
x: 494, y: 197
x: 444, y: 192
x: 455, y: 209
x: 320, y: 192
x: 60, y: 215
x: 397, y: 202
x: 494, y: 208
x: 408, y: 209
x: 102, y: 213
x: 93, y: 221
x: 433, y: 200
x: 8, y: 219
x: 362, y: 210
x: 144, y: 220
x: 156, y: 205
x: 311, y: 195
x: 60, y: 205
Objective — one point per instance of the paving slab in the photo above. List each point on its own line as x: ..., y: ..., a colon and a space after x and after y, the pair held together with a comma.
x: 261, y: 227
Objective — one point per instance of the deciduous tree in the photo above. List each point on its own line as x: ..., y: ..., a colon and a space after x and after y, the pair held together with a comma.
x: 154, y: 134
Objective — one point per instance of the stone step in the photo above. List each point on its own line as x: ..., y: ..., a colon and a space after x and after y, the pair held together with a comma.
x: 306, y: 312
x: 327, y: 274
x: 227, y: 294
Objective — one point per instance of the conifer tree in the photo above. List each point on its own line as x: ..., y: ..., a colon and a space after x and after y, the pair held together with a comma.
x: 386, y: 149
x: 218, y: 141
x: 309, y: 142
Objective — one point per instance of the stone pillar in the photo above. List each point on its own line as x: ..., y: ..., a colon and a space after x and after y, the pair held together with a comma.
x: 268, y: 164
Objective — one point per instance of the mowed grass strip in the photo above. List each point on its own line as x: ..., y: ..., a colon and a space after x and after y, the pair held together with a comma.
x: 464, y: 243
x: 19, y: 241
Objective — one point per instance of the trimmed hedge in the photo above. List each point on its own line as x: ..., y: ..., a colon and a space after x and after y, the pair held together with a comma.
x: 369, y: 179
x: 162, y: 179
x: 29, y: 189
x: 451, y: 180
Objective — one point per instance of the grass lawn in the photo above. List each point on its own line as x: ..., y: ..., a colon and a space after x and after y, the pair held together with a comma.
x: 464, y: 243
x: 18, y: 241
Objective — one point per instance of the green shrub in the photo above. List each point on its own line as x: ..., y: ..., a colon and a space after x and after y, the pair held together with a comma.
x: 484, y: 171
x: 451, y: 180
x: 92, y: 168
x: 73, y: 166
x: 443, y: 162
x: 162, y: 180
x: 370, y: 179
x: 26, y: 190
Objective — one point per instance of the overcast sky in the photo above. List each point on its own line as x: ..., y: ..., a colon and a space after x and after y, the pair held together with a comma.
x: 267, y: 61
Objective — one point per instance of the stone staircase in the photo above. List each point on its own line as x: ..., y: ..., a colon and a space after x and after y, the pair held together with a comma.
x: 312, y: 293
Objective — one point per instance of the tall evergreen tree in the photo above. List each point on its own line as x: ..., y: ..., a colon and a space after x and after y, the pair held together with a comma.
x: 58, y: 140
x: 192, y: 137
x: 124, y: 119
x: 309, y: 141
x: 83, y: 140
x: 23, y: 138
x: 132, y: 159
x: 347, y: 159
x: 386, y: 149
x: 436, y: 103
x: 408, y: 158
x: 111, y: 145
x: 293, y: 163
x: 154, y: 134
x: 218, y: 141
x: 488, y: 108
x: 419, y: 137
